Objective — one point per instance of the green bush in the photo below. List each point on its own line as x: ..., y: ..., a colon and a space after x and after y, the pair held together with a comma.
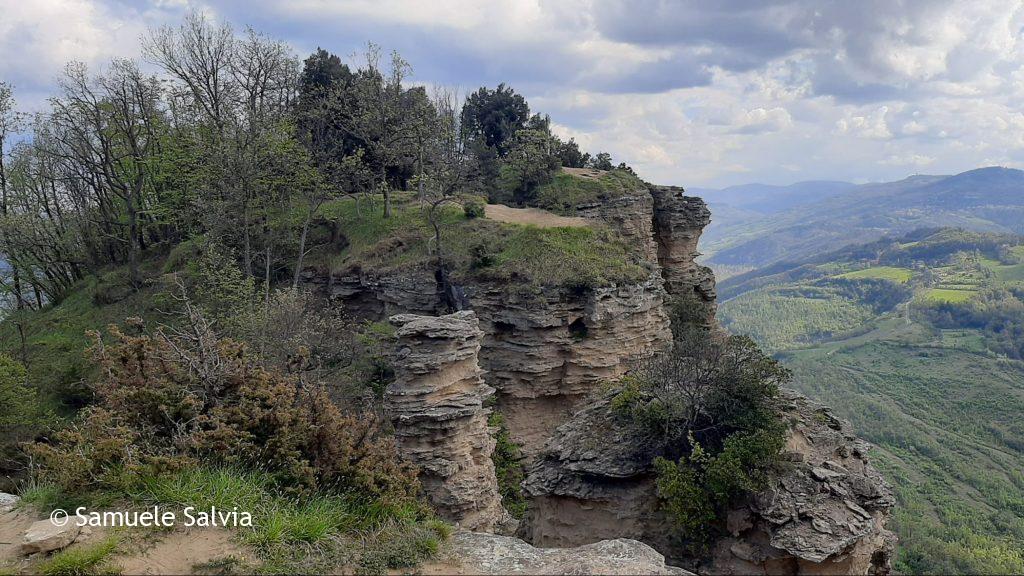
x: 22, y: 415
x: 474, y: 209
x: 508, y: 467
x: 698, y: 489
x: 711, y: 404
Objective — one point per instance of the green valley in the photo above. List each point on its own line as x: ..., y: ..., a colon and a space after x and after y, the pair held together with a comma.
x: 917, y: 342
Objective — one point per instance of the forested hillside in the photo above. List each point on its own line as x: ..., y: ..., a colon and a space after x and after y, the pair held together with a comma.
x: 917, y: 341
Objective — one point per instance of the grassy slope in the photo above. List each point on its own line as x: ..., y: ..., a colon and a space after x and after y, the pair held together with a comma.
x: 524, y: 254
x: 566, y: 191
x: 949, y: 425
x: 56, y: 339
x: 780, y: 319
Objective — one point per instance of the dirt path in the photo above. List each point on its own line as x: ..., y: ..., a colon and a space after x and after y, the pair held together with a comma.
x: 180, y: 551
x: 534, y: 216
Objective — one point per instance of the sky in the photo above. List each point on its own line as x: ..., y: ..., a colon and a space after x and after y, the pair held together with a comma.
x: 692, y: 93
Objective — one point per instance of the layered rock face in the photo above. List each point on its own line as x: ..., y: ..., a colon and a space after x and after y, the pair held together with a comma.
x: 436, y: 405
x: 824, y: 515
x: 679, y: 221
x: 545, y: 354
x: 631, y: 215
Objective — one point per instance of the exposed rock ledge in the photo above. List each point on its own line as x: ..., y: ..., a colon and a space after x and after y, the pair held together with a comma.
x: 476, y: 553
x: 825, y: 514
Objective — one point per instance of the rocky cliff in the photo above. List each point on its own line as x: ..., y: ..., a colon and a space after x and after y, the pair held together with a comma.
x: 546, y: 351
x: 679, y: 221
x: 824, y: 514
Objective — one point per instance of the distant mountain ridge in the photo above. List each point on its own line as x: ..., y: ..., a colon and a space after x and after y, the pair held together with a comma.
x: 822, y: 216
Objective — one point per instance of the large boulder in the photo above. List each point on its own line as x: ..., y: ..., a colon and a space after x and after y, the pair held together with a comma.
x: 46, y: 536
x: 476, y: 553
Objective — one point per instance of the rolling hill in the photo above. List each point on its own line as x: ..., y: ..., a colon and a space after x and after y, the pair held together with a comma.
x: 825, y: 216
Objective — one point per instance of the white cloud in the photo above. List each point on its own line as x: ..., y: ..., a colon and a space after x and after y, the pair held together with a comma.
x: 38, y: 37
x: 916, y: 160
x: 687, y: 92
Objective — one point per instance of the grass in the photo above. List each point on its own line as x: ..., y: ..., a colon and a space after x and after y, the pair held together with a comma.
x: 305, y: 533
x: 341, y: 529
x: 895, y: 274
x: 1011, y: 273
x: 568, y: 191
x: 477, y: 248
x: 948, y: 295
x: 55, y: 336
x: 81, y: 560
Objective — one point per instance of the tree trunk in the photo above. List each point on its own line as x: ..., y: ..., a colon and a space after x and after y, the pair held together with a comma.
x: 24, y: 344
x: 266, y: 280
x: 133, y: 247
x: 302, y: 249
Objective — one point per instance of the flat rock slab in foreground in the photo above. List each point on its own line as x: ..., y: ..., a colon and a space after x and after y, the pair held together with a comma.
x: 45, y: 536
x: 477, y: 553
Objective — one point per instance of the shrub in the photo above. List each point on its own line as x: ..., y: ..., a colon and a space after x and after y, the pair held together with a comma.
x: 696, y: 490
x: 711, y: 403
x: 166, y: 401
x: 474, y: 209
x: 22, y: 415
x: 508, y: 467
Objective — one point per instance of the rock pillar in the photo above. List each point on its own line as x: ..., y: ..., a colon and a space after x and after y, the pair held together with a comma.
x: 437, y: 406
x: 678, y: 223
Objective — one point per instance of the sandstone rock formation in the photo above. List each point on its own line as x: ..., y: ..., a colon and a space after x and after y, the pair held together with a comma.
x: 678, y: 223
x: 629, y: 214
x: 437, y: 406
x: 545, y: 354
x: 824, y: 515
x: 475, y: 553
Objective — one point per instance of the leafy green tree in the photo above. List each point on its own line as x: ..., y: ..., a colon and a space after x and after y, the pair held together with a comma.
x: 23, y: 415
x: 570, y: 156
x: 602, y: 161
x: 494, y: 116
x: 530, y: 163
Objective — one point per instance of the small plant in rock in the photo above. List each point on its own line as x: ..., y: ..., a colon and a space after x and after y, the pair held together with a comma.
x: 508, y: 467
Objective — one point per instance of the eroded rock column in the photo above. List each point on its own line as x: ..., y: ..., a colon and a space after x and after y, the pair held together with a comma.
x: 436, y: 405
x: 678, y: 223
